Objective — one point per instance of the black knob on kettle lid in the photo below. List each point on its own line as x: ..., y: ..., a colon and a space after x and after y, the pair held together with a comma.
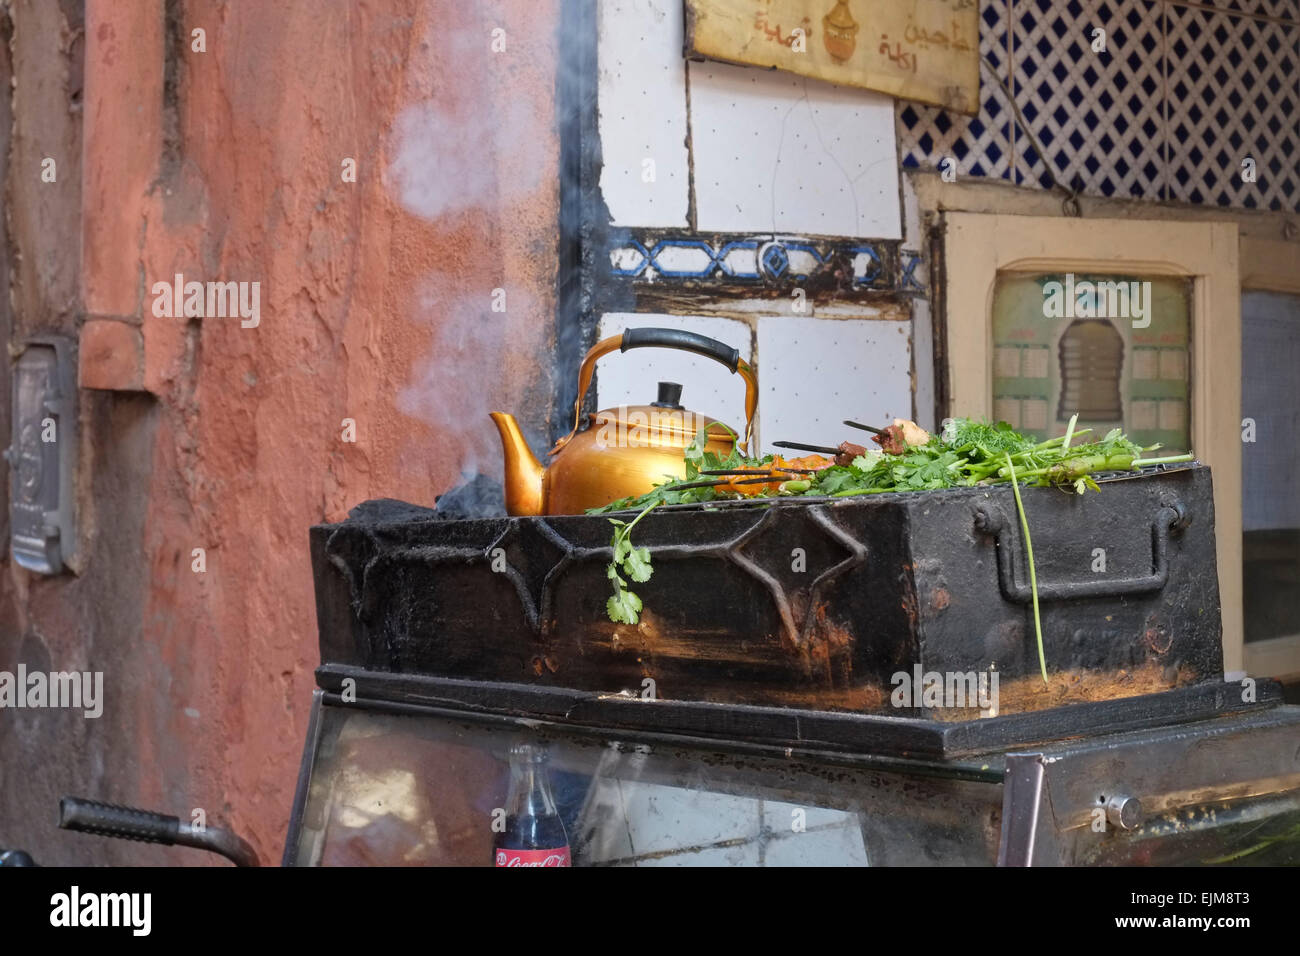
x: 670, y: 394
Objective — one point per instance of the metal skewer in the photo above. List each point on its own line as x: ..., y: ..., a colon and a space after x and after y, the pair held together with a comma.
x: 759, y: 471
x: 714, y: 482
x: 866, y: 428
x: 682, y: 485
x: 800, y: 446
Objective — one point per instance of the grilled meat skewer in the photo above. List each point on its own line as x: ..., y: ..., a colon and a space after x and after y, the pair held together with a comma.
x: 843, y: 455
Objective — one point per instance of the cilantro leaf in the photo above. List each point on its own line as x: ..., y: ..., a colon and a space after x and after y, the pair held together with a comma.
x: 623, y: 607
x: 637, y: 564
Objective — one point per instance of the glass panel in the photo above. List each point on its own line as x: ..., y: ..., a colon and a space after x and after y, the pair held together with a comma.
x: 418, y: 790
x: 1263, y: 831
x: 1270, y: 462
x: 1113, y: 348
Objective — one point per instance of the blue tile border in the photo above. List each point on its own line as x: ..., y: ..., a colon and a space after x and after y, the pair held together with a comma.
x: 655, y: 256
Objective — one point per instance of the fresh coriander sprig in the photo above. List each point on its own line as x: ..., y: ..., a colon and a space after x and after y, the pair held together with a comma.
x: 624, y: 606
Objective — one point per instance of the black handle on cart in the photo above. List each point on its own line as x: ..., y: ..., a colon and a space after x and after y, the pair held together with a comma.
x: 112, y: 820
x: 145, y: 826
x: 1170, y: 517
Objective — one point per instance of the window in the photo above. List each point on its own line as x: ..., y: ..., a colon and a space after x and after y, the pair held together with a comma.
x: 1112, y: 348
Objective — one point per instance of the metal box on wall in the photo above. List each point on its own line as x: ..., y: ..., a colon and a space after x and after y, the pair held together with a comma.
x: 42, y: 455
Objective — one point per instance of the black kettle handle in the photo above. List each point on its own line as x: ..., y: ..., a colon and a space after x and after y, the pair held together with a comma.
x: 666, y: 339
x: 683, y: 341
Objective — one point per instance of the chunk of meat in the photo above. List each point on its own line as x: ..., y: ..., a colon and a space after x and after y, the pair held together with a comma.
x: 848, y: 451
x: 898, y: 437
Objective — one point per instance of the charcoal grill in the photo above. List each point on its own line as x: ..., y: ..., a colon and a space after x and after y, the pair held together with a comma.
x: 762, y: 673
x: 794, y: 602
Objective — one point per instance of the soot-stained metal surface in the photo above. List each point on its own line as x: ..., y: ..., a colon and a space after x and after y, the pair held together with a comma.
x: 813, y: 604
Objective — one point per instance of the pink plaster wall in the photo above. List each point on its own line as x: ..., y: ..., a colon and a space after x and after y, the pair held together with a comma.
x: 375, y: 306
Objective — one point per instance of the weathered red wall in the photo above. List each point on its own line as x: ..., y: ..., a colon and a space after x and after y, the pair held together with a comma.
x: 375, y: 306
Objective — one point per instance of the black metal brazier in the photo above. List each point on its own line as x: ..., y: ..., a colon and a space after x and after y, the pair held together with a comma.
x: 794, y: 602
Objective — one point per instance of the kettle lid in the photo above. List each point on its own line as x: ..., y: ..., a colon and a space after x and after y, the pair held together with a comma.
x: 665, y: 417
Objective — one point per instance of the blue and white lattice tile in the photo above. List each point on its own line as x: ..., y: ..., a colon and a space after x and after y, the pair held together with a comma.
x: 980, y: 145
x: 1233, y: 96
x: 1097, y: 112
x: 1285, y: 9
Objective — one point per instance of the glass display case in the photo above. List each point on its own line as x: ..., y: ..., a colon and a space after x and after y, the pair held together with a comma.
x: 403, y: 783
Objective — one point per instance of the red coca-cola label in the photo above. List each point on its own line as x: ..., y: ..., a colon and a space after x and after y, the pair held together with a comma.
x: 556, y: 857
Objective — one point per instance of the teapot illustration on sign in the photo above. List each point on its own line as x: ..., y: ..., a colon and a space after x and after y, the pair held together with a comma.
x: 841, y: 36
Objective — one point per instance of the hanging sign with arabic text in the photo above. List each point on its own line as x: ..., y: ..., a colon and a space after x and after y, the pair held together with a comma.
x: 926, y: 50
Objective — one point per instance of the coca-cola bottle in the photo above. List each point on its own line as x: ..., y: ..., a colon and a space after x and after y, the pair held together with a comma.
x: 534, y: 833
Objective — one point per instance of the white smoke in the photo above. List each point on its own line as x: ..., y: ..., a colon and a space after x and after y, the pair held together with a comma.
x: 476, y: 154
x: 476, y: 147
x: 460, y: 380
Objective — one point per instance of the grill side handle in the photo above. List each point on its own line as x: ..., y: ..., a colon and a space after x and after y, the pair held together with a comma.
x: 991, y: 519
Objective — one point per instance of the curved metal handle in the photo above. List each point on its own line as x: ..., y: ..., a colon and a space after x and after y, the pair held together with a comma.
x: 129, y: 823
x: 666, y: 339
x: 1172, y: 515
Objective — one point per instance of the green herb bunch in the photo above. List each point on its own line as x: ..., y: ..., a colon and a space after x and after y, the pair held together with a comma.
x: 967, y: 453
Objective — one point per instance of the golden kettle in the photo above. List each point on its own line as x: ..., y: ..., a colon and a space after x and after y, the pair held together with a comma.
x: 623, y: 451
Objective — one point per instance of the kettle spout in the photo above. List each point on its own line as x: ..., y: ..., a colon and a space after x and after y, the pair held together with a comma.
x: 523, y: 472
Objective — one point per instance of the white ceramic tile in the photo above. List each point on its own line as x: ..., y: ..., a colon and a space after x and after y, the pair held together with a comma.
x: 631, y: 378
x: 1035, y: 362
x: 642, y: 107
x: 671, y: 818
x: 1145, y: 363
x: 1006, y: 362
x: 780, y: 153
x: 814, y: 373
x: 838, y: 846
